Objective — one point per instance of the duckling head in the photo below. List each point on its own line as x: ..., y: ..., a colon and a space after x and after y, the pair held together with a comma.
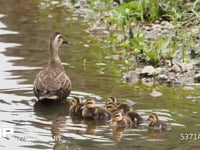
x: 153, y: 118
x: 75, y: 101
x: 56, y: 40
x: 90, y: 103
x: 117, y: 116
x: 112, y: 99
x: 111, y: 107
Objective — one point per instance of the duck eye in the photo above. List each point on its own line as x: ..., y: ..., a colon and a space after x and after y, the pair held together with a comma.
x: 60, y: 38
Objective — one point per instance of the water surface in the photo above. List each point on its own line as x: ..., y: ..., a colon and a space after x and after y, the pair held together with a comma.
x: 25, y: 27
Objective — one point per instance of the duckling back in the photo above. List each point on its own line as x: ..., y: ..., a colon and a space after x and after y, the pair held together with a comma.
x: 124, y: 122
x: 125, y: 107
x: 159, y: 125
x: 135, y: 117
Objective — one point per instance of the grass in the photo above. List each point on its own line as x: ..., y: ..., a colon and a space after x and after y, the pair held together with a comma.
x: 126, y: 23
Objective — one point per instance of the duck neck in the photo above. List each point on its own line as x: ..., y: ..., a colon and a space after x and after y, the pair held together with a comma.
x: 54, y: 59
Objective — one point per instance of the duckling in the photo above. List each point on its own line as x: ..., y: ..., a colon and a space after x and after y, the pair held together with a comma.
x: 126, y: 107
x: 90, y: 111
x: 120, y: 120
x: 111, y: 107
x: 135, y: 117
x: 157, y: 124
x: 76, y: 107
x: 52, y: 83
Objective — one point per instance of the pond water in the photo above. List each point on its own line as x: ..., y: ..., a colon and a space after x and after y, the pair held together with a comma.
x: 25, y: 27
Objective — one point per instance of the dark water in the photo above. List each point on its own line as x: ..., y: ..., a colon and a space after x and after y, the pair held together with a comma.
x: 24, y: 30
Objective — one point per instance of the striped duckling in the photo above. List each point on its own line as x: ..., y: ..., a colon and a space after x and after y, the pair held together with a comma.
x: 76, y: 107
x: 125, y: 109
x: 111, y: 107
x: 120, y: 120
x: 157, y: 124
x: 93, y: 112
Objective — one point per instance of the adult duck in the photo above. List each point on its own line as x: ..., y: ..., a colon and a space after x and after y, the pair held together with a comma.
x: 52, y: 83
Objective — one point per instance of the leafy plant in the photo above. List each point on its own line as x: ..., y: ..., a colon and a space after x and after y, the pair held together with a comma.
x: 128, y: 38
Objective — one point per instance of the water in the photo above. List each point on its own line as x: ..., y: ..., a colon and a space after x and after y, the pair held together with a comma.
x: 24, y: 30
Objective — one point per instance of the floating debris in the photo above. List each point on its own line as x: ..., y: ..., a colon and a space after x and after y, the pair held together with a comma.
x: 155, y: 93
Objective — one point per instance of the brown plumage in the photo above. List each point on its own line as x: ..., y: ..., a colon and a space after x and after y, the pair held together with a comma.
x: 52, y: 83
x: 111, y: 107
x: 135, y: 117
x: 76, y: 107
x: 126, y: 108
x: 120, y: 120
x: 157, y: 124
x: 93, y: 112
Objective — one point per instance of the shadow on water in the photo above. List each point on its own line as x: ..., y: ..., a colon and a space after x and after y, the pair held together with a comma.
x: 25, y: 27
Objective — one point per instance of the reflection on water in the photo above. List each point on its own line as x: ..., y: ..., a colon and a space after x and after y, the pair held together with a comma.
x: 24, y: 30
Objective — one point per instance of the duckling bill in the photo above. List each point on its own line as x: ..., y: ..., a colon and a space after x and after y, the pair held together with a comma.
x: 52, y: 83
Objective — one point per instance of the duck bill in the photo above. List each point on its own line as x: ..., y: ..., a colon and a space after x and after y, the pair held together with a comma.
x: 65, y: 42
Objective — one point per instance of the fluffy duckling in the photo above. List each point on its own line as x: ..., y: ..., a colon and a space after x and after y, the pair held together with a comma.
x: 76, y: 107
x: 157, y: 124
x: 111, y: 107
x: 126, y: 107
x: 120, y: 120
x: 91, y: 111
x: 52, y: 83
x: 135, y: 117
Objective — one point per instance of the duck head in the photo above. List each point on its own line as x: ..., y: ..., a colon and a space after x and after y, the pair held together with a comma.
x: 56, y: 40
